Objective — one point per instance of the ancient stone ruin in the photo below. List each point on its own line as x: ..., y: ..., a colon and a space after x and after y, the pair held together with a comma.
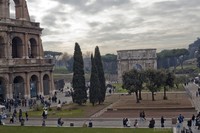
x: 24, y: 72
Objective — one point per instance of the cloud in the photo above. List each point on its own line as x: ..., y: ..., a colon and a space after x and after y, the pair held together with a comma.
x: 93, y: 6
x: 117, y: 24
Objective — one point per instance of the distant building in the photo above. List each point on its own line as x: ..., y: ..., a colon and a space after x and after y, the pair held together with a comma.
x: 24, y: 72
x: 137, y: 58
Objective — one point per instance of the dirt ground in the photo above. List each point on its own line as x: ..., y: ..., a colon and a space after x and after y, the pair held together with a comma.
x: 177, y: 103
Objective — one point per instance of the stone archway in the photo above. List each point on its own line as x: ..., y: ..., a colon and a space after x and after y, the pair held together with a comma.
x: 2, y: 89
x: 138, y: 67
x: 46, y: 84
x: 32, y: 48
x: 2, y: 47
x: 33, y: 86
x: 18, y: 88
x: 17, y: 48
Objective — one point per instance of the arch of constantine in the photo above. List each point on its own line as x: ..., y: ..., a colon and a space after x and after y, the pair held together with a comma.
x: 135, y: 59
x: 24, y: 73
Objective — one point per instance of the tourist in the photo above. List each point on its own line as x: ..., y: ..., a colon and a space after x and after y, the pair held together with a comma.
x: 162, y: 120
x: 124, y: 122
x: 128, y: 123
x: 198, y: 121
x: 60, y: 122
x: 152, y: 123
x: 143, y: 115
x: 20, y: 115
x: 43, y: 123
x: 193, y: 120
x: 180, y: 118
x: 26, y: 114
x: 135, y: 123
x: 22, y: 121
x: 90, y: 124
x: 189, y: 124
x: 84, y: 124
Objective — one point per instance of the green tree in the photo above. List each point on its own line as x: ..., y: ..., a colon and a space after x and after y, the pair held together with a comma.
x: 169, y: 82
x: 133, y: 82
x: 198, y: 58
x: 154, y: 81
x: 78, y: 82
x: 100, y: 70
x: 94, y: 92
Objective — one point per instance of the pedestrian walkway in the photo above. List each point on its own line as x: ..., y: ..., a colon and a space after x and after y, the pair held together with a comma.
x: 191, y: 89
x: 99, y: 113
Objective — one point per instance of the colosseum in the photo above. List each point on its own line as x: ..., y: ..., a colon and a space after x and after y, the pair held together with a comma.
x: 24, y: 72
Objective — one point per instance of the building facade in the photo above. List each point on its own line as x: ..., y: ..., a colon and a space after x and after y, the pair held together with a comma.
x: 140, y: 59
x: 24, y: 73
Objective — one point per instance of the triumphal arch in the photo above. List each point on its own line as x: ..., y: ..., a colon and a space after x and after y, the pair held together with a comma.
x: 140, y: 59
x: 24, y: 72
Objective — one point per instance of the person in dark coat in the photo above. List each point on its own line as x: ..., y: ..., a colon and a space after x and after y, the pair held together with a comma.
x: 162, y: 121
x: 152, y: 123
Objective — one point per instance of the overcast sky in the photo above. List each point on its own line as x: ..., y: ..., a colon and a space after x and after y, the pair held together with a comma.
x: 116, y: 24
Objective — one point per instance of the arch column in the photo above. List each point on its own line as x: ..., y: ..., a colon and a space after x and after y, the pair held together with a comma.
x: 27, y: 86
x: 26, y: 45
x: 10, y: 86
x: 51, y: 83
x: 40, y: 82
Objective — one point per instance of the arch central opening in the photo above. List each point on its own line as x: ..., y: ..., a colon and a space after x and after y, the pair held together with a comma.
x: 18, y: 88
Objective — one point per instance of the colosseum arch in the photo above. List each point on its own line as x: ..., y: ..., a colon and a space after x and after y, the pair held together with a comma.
x: 46, y: 84
x: 2, y: 47
x: 18, y: 87
x: 2, y: 89
x: 34, y: 86
x: 17, y: 48
x: 32, y: 48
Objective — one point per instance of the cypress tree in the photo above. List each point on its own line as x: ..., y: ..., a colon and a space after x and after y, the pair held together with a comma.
x: 78, y: 82
x: 94, y: 84
x: 100, y: 70
x: 198, y: 57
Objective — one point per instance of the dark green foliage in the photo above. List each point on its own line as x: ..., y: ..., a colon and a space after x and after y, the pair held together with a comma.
x: 110, y: 63
x: 94, y: 93
x: 133, y: 81
x: 198, y: 57
x: 100, y: 70
x: 174, y: 57
x: 70, y: 63
x: 78, y: 82
x: 193, y: 48
x: 52, y: 53
x: 169, y: 82
x: 155, y: 79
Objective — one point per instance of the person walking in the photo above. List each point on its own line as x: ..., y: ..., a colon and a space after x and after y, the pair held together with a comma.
x: 26, y: 114
x: 135, y: 123
x: 193, y: 120
x: 162, y: 121
x: 43, y: 123
x: 60, y: 122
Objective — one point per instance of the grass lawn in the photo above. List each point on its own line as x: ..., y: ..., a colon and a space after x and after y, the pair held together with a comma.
x: 5, y: 129
x: 74, y: 110
x: 72, y: 113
